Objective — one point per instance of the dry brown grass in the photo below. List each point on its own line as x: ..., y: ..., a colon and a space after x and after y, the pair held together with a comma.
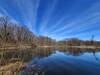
x: 14, y: 46
x: 11, y: 69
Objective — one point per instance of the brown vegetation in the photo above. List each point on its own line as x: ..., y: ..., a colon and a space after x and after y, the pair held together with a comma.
x: 12, y: 61
x: 11, y: 33
x: 11, y: 68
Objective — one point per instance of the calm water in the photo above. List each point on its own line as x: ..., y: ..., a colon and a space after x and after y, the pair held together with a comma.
x: 66, y: 62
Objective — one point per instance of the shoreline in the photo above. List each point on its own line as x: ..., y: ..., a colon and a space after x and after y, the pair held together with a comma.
x: 30, y: 47
x: 83, y: 47
x: 15, y: 46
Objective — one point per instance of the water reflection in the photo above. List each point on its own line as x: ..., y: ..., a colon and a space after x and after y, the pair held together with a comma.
x: 66, y: 61
x: 45, y: 52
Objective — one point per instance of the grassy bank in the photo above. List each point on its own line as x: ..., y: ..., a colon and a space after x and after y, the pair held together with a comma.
x: 11, y: 68
x: 12, y: 61
x: 6, y: 46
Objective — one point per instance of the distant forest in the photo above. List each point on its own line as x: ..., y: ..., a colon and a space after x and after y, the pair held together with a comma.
x: 15, y: 33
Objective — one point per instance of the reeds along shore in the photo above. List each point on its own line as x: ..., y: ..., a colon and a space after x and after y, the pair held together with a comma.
x: 12, y: 61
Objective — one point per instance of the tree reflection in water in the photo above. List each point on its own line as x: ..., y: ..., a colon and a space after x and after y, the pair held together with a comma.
x: 45, y: 52
x: 42, y: 54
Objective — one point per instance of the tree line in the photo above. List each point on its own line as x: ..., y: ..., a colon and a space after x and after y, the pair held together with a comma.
x: 14, y: 33
x: 11, y: 32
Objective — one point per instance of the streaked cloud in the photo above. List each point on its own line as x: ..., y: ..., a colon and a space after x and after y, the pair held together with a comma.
x: 55, y: 18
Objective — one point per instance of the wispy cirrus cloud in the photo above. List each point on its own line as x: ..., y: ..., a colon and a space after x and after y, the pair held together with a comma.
x: 28, y: 9
x: 55, y: 18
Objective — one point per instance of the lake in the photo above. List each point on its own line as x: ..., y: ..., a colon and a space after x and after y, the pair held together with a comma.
x: 65, y: 62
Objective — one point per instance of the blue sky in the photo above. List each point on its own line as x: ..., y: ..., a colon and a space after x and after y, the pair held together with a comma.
x: 58, y: 19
